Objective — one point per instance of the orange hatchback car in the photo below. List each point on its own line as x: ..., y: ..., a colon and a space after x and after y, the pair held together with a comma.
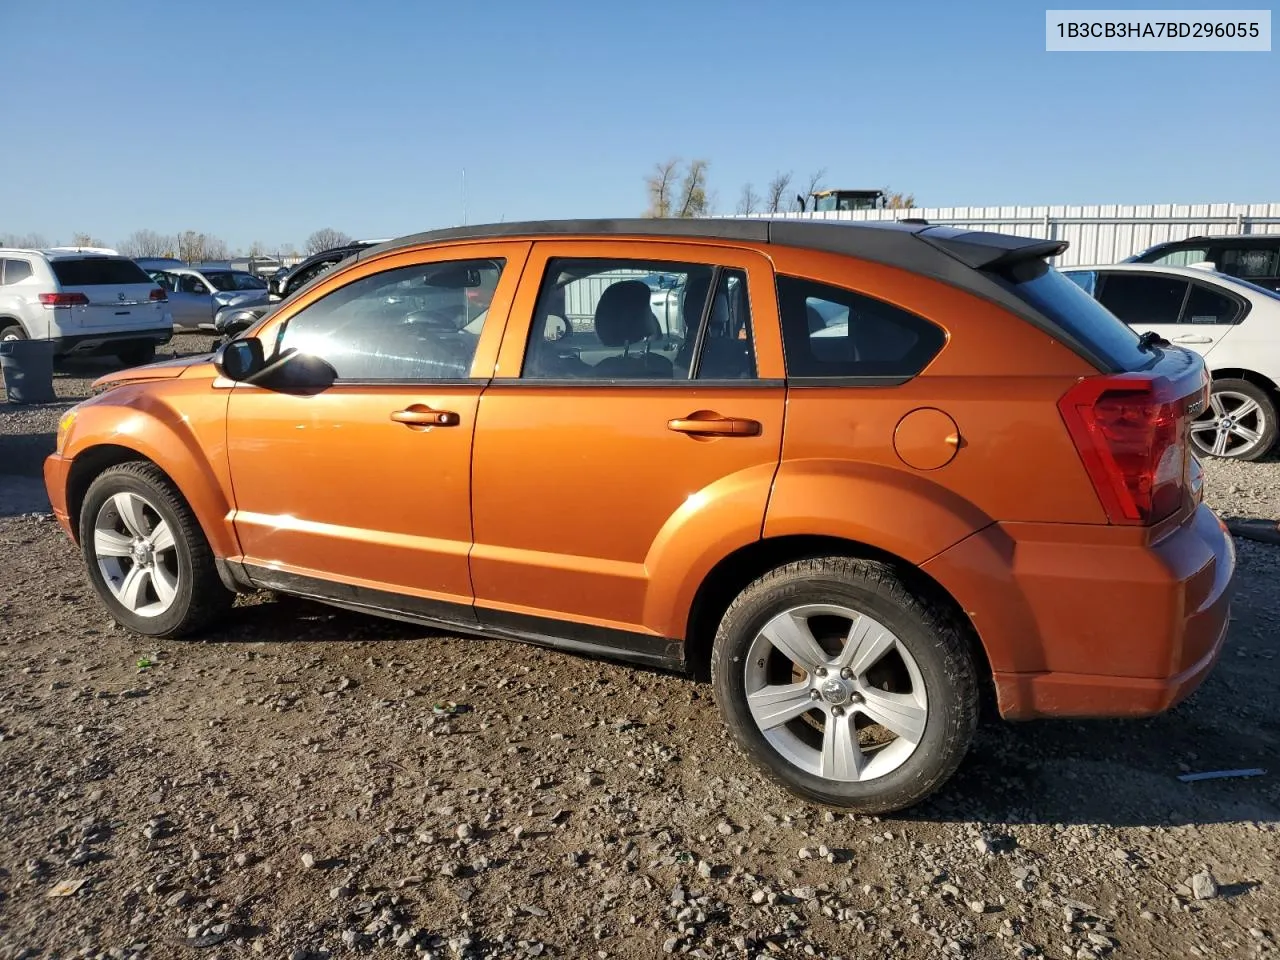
x: 855, y: 474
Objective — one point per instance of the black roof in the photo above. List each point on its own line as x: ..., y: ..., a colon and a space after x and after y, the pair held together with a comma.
x: 962, y: 258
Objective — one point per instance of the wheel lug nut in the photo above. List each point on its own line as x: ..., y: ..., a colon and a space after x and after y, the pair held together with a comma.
x: 846, y: 673
x: 837, y: 711
x: 821, y: 671
x: 814, y: 695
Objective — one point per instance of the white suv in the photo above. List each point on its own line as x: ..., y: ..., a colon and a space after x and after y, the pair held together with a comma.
x: 86, y: 300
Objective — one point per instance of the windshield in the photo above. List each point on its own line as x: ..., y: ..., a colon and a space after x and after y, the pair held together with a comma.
x: 226, y: 280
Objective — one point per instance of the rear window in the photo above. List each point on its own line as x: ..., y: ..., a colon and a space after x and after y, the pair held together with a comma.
x: 97, y: 272
x: 1078, y: 314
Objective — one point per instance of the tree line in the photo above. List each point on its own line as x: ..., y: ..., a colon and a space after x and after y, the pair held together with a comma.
x: 677, y: 188
x: 191, y: 246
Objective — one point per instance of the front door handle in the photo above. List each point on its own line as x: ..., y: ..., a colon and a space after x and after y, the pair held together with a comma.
x: 1191, y: 338
x: 418, y: 415
x: 706, y: 424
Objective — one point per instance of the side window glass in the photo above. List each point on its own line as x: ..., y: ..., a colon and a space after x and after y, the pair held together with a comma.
x: 1249, y: 263
x: 188, y: 283
x: 1182, y: 258
x: 1142, y: 299
x: 15, y: 271
x: 1209, y: 306
x: 603, y: 319
x: 420, y: 322
x: 1086, y: 280
x: 164, y: 280
x: 833, y: 332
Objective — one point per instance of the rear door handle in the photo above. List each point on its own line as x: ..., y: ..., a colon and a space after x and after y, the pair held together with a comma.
x: 1191, y: 338
x: 418, y: 415
x: 714, y: 426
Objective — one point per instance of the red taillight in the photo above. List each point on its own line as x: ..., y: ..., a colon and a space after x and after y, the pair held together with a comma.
x: 64, y: 299
x: 159, y: 294
x: 1131, y: 433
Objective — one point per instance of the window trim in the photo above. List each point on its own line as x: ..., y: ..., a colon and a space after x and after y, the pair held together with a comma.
x: 866, y: 381
x: 1243, y: 306
x: 658, y: 255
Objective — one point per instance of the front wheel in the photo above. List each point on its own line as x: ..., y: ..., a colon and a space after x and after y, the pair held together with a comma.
x: 148, y: 559
x: 844, y: 685
x: 1240, y: 423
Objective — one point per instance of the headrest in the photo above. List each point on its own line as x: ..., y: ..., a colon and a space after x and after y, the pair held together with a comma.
x: 624, y: 315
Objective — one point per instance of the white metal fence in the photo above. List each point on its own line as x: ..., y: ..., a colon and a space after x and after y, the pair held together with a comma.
x: 1103, y: 233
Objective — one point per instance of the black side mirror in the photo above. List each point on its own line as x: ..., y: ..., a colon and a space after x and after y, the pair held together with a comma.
x: 240, y: 359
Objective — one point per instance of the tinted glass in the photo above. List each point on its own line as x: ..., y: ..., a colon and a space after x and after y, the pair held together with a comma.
x: 1141, y: 300
x: 226, y: 280
x: 833, y: 332
x: 419, y: 322
x: 1181, y: 258
x: 15, y: 271
x: 1207, y: 306
x: 307, y: 274
x: 599, y: 319
x: 96, y: 272
x: 1250, y: 262
x: 1086, y: 280
x: 1063, y: 302
x: 188, y: 283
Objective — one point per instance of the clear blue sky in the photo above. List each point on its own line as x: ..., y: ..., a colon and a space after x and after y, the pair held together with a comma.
x: 264, y: 121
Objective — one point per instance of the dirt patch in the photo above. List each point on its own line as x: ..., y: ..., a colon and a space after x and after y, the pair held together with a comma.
x: 306, y: 782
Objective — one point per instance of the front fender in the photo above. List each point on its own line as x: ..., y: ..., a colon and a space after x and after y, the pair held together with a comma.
x: 189, y: 446
x: 905, y: 514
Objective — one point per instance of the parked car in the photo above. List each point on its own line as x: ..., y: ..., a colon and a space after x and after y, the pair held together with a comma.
x: 1252, y: 257
x: 1232, y: 323
x: 85, y: 302
x: 286, y: 282
x: 230, y: 321
x: 196, y: 293
x: 984, y: 482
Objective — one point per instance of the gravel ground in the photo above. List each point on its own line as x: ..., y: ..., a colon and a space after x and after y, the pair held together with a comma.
x: 308, y: 782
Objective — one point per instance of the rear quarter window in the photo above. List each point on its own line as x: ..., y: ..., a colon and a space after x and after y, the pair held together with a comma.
x: 97, y: 272
x: 833, y: 332
x: 1092, y: 325
x: 14, y: 271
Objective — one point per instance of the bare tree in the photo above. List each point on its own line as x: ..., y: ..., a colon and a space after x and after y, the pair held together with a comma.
x: 776, y: 190
x: 899, y: 201
x: 326, y: 238
x: 693, y: 192
x: 257, y: 248
x: 148, y: 243
x: 748, y: 200
x: 86, y: 240
x: 813, y: 186
x: 23, y: 241
x: 191, y: 246
x: 661, y: 185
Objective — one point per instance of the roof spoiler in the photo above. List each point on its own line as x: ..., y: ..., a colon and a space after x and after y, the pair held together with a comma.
x: 983, y: 250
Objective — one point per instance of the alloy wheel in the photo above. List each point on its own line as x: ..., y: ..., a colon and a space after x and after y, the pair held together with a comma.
x: 136, y: 554
x: 1233, y: 425
x: 835, y: 692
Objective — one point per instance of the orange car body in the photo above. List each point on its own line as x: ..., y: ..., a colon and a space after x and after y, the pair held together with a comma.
x: 575, y: 514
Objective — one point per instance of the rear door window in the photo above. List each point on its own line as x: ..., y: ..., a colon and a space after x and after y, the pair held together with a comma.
x: 833, y: 332
x: 1209, y: 306
x: 1143, y: 299
x: 97, y: 272
x: 1250, y: 262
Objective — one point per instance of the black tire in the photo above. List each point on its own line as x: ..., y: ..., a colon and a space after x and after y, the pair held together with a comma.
x: 201, y: 596
x: 11, y: 331
x: 137, y: 354
x: 1266, y: 414
x: 932, y: 637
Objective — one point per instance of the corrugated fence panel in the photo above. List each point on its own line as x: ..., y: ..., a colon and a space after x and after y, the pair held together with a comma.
x: 1099, y: 233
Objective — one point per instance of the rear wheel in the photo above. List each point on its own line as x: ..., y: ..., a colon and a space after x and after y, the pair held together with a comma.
x: 148, y: 559
x: 1239, y: 424
x: 12, y: 331
x: 137, y: 354
x: 844, y: 685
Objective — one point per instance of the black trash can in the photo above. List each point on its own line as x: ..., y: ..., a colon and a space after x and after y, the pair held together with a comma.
x: 27, y: 366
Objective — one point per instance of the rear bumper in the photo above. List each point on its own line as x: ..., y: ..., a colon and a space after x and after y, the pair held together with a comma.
x: 82, y: 344
x: 1095, y: 621
x: 56, y: 469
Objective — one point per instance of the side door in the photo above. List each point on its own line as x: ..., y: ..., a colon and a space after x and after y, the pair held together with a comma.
x: 351, y: 465
x: 614, y: 452
x: 1150, y: 301
x: 191, y: 301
